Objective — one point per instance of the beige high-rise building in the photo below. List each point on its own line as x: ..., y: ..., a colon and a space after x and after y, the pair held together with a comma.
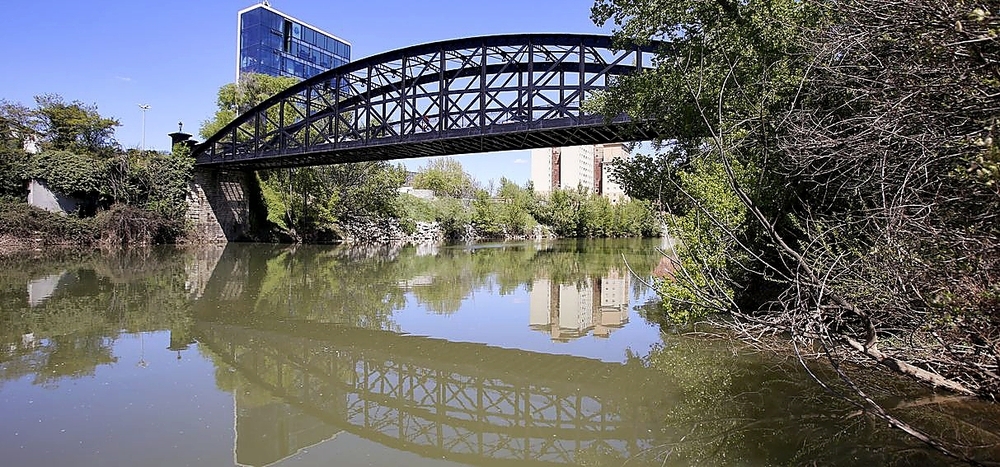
x: 577, y: 166
x: 607, y: 154
x: 556, y: 168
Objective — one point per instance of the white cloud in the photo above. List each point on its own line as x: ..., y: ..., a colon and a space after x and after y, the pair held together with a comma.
x: 123, y: 78
x: 520, y: 161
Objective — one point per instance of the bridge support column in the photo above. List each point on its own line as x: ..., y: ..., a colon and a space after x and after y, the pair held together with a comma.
x: 218, y: 205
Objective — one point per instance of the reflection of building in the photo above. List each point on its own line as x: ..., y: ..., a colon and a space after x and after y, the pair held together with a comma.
x: 272, y: 43
x: 567, y: 311
x: 577, y: 166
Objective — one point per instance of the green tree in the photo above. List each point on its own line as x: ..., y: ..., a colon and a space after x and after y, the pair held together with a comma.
x: 236, y: 98
x: 445, y: 177
x: 516, y: 204
x: 367, y: 188
x: 727, y: 75
x: 560, y: 210
x: 14, y: 165
x: 306, y: 202
x: 841, y: 173
x: 18, y: 126
x: 74, y: 126
x: 654, y: 178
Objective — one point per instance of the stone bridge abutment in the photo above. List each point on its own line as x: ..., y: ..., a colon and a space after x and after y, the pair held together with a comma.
x: 219, y: 204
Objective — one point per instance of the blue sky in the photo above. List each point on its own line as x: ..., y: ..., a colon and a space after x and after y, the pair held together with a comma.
x: 175, y: 55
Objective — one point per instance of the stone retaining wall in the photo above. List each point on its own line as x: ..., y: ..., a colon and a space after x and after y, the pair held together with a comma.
x: 387, y: 230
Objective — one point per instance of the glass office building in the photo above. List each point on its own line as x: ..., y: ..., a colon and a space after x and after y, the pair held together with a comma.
x: 272, y: 43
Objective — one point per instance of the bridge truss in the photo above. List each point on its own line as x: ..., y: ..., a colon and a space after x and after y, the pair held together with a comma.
x: 460, y: 96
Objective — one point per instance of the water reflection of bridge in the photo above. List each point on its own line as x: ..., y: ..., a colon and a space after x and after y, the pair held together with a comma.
x: 465, y: 402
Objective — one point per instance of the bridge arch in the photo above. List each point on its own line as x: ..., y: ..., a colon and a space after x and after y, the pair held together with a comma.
x: 477, y: 94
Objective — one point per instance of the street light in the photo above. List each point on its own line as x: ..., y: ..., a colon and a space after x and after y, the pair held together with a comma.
x: 144, y: 108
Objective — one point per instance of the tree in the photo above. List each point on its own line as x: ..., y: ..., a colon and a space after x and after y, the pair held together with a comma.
x: 370, y: 188
x: 17, y: 124
x: 841, y: 175
x: 74, y: 126
x: 236, y: 98
x: 445, y: 177
x: 560, y: 210
x: 14, y: 164
x: 654, y: 178
x: 516, y: 204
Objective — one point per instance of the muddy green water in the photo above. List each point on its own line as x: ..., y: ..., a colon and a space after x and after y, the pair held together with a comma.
x: 493, y: 354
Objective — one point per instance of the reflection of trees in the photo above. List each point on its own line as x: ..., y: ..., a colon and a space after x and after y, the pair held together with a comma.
x: 362, y: 286
x: 72, y: 332
x: 315, y: 284
x: 455, y: 272
x: 739, y: 408
x: 73, y: 356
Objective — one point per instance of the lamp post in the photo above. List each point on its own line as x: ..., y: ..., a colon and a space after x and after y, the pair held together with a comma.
x: 143, y: 108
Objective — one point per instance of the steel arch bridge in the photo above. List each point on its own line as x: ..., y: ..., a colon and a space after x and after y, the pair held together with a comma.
x: 479, y: 94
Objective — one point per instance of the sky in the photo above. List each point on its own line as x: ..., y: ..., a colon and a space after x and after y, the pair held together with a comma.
x: 173, y: 56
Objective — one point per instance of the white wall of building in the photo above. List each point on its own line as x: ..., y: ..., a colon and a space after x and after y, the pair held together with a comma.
x: 541, y: 169
x: 40, y: 196
x: 612, y: 190
x: 578, y: 167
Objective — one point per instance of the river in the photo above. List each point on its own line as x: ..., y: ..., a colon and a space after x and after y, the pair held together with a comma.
x: 535, y: 354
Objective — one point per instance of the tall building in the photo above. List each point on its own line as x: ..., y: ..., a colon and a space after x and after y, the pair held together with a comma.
x: 272, y: 43
x: 606, y: 154
x: 568, y: 167
x: 577, y: 166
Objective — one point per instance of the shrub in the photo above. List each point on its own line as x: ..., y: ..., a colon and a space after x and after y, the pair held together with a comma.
x: 125, y: 225
x: 19, y: 220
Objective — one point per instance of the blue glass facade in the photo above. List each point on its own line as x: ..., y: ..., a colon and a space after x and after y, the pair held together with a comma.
x: 274, y: 44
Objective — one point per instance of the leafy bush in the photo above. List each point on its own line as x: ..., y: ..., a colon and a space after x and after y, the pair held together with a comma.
x: 578, y: 213
x: 450, y: 213
x: 70, y: 173
x: 19, y: 220
x: 124, y: 225
x: 14, y: 165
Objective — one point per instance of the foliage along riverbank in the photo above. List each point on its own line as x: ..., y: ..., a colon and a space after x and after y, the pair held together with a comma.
x: 133, y: 197
x: 124, y: 196
x: 833, y: 177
